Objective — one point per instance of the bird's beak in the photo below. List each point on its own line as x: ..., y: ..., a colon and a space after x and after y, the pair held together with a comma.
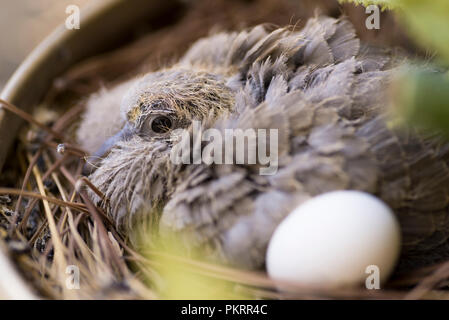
x: 92, y: 161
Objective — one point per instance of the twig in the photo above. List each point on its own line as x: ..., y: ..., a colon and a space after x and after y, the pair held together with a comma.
x: 429, y: 282
x: 86, y: 181
x: 33, y: 161
x: 57, y: 243
x: 30, y: 207
x: 77, y: 206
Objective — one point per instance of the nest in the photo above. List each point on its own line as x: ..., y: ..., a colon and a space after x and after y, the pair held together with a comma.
x: 50, y: 226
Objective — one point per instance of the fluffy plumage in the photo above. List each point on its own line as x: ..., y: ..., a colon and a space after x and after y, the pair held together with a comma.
x: 324, y: 92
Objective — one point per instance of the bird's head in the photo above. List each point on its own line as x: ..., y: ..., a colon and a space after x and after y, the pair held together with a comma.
x: 171, y: 99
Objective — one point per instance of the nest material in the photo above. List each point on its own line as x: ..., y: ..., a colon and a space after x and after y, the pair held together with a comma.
x: 49, y: 223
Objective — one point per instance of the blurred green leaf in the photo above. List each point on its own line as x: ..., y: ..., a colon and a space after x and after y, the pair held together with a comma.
x: 421, y: 98
x: 180, y: 278
x: 384, y: 4
x: 428, y: 23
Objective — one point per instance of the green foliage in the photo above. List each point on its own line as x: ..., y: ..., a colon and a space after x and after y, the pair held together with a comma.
x: 182, y: 275
x: 384, y: 4
x: 428, y: 23
x: 421, y: 98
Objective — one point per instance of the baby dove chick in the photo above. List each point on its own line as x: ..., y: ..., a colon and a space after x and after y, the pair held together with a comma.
x: 320, y: 89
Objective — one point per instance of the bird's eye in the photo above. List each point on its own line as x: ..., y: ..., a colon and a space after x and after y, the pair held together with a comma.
x: 161, y: 124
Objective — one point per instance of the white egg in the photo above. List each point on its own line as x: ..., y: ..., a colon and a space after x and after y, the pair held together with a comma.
x: 331, y: 240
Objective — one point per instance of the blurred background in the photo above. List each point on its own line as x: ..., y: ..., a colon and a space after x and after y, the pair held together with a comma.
x: 23, y: 24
